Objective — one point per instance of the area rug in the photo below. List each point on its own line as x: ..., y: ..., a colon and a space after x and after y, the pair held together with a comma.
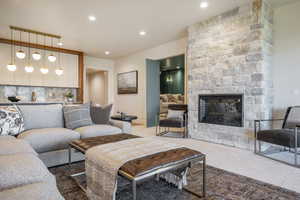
x: 221, y: 185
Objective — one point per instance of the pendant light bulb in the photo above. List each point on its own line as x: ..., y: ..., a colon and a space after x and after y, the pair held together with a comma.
x: 20, y: 54
x: 29, y: 69
x: 52, y: 58
x: 11, y: 67
x: 36, y: 56
x: 44, y: 70
x: 59, y: 71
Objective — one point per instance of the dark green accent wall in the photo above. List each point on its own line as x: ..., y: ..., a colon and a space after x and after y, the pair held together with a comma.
x: 172, y: 75
x: 172, y: 82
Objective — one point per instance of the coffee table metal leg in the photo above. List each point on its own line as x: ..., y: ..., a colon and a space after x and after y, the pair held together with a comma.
x: 204, y: 177
x: 134, y: 189
x: 70, y: 156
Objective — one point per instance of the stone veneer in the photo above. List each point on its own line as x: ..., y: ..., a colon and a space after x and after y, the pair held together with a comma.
x: 231, y: 54
x: 44, y: 94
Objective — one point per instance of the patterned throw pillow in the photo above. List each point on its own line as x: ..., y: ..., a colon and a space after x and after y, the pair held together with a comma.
x: 11, y: 121
x: 77, y: 116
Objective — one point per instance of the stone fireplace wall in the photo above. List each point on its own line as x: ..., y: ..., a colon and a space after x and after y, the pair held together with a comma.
x: 231, y: 54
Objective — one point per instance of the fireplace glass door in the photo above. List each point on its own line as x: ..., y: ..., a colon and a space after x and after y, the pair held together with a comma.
x: 221, y: 109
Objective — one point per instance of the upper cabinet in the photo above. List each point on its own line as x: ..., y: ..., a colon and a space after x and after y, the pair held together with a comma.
x: 69, y: 63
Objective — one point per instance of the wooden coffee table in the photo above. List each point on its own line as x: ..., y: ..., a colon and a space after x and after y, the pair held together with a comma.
x: 142, y: 168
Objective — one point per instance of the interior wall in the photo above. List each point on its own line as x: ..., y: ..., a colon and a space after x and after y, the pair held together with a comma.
x: 97, y: 83
x: 286, y: 60
x: 136, y: 103
x: 106, y: 65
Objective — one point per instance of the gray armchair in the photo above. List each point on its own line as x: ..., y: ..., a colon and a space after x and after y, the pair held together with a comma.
x: 287, y: 137
x: 166, y: 123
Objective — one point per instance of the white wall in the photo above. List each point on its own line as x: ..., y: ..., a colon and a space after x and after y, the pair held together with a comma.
x: 97, y: 83
x: 136, y: 103
x: 103, y: 65
x: 20, y: 77
x: 286, y: 57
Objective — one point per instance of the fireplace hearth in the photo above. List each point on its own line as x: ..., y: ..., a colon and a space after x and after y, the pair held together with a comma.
x: 221, y: 109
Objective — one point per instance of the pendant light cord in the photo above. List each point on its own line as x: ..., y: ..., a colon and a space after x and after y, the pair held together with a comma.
x: 28, y: 57
x: 36, y: 39
x: 59, y: 57
x: 44, y: 51
x: 11, y: 47
x: 21, y: 39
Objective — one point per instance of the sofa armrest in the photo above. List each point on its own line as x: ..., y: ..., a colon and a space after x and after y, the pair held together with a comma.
x: 124, y: 126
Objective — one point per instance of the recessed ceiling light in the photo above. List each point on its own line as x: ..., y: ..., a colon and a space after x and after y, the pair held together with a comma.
x: 92, y: 18
x: 143, y: 33
x: 204, y: 4
x: 60, y: 44
x: 107, y: 52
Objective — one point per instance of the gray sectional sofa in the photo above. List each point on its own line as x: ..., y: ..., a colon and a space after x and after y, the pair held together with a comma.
x: 46, y: 133
x: 22, y: 174
x: 44, y: 143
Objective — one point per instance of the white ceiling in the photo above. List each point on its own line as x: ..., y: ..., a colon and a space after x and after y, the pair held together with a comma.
x: 118, y: 21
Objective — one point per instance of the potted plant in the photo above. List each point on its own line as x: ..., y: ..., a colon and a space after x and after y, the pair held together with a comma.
x: 69, y: 95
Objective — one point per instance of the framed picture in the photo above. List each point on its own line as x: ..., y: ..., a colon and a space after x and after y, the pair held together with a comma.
x: 128, y: 82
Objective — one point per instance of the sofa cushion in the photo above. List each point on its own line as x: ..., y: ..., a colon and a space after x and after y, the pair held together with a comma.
x: 35, y: 191
x: 21, y: 169
x: 77, y: 116
x: 49, y: 139
x: 13, y: 146
x: 101, y: 115
x: 97, y: 130
x: 42, y: 116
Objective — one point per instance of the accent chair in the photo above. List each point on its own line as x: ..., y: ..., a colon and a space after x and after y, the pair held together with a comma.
x: 165, y: 120
x: 288, y: 137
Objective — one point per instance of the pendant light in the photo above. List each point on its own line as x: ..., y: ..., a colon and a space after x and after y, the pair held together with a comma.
x: 204, y: 4
x: 59, y: 70
x: 51, y: 57
x: 36, y: 55
x: 12, y: 66
x: 29, y: 68
x: 44, y: 69
x: 20, y: 53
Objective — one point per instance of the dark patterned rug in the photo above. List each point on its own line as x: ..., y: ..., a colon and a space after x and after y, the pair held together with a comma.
x: 221, y: 185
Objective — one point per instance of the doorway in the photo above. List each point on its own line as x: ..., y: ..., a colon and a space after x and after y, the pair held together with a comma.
x: 172, y: 81
x: 97, y: 86
x: 166, y: 83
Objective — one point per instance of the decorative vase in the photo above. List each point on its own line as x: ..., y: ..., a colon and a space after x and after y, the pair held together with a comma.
x: 70, y: 100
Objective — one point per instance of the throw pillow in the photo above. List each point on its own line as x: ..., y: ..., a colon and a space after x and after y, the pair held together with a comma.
x: 11, y: 121
x: 77, y: 116
x: 101, y: 115
x: 175, y: 114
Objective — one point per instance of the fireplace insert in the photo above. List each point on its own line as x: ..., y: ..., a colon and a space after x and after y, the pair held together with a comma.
x: 222, y: 109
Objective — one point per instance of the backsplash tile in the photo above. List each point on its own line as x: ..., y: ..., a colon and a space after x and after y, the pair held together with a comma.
x: 43, y: 94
